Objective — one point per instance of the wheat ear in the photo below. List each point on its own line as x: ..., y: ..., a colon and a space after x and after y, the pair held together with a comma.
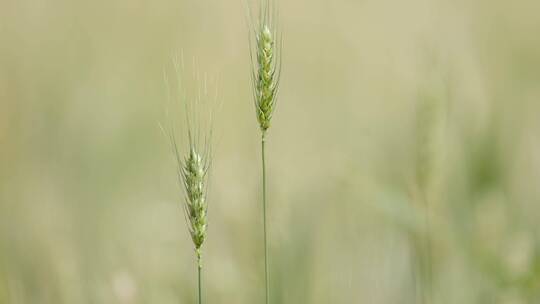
x: 265, y: 75
x: 193, y: 168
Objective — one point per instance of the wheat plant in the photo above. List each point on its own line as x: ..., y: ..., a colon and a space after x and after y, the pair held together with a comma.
x: 193, y: 158
x: 265, y: 51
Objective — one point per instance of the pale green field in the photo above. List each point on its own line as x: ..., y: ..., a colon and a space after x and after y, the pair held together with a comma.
x: 403, y: 159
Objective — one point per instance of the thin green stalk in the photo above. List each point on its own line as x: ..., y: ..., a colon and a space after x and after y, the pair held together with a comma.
x: 266, y: 277
x: 199, y: 271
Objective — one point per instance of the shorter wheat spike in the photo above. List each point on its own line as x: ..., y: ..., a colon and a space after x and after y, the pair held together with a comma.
x: 193, y: 168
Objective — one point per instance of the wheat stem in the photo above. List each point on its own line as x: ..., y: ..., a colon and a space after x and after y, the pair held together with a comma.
x: 199, y: 271
x: 266, y: 276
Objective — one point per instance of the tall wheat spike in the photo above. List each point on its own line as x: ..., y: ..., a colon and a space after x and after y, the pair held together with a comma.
x: 265, y: 51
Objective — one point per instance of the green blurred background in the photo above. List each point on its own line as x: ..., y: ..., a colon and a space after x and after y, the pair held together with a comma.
x: 404, y: 156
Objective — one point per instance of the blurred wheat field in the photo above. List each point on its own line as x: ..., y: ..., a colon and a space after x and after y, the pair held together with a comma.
x: 403, y: 164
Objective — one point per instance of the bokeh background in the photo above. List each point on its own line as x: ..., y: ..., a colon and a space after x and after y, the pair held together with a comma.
x: 404, y: 156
